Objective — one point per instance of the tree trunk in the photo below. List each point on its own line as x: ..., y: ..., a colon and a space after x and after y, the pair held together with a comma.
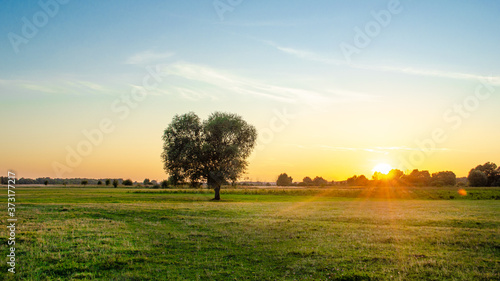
x: 217, y: 192
x: 214, y: 183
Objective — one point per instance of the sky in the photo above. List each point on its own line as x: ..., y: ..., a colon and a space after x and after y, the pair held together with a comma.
x: 334, y: 88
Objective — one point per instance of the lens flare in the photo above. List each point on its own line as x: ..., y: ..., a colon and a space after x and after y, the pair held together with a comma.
x: 462, y: 192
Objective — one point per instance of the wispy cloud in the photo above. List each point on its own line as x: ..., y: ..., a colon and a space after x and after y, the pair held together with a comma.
x: 494, y: 80
x: 230, y: 82
x: 53, y: 86
x: 306, y: 55
x: 311, y: 56
x: 146, y: 57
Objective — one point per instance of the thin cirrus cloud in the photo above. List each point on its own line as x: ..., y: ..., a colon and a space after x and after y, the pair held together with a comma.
x: 306, y: 55
x: 194, y: 82
x: 311, y: 56
x: 221, y: 80
x: 55, y: 86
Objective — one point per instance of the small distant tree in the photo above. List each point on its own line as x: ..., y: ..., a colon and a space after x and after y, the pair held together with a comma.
x: 46, y: 182
x: 477, y: 178
x: 351, y: 181
x: 497, y: 180
x: 444, y: 178
x: 84, y: 182
x: 362, y: 180
x: 284, y: 180
x: 108, y: 182
x: 357, y: 181
x: 418, y: 178
x: 146, y: 182
x: 128, y: 182
x: 491, y: 172
x: 307, y: 181
x: 319, y: 181
x: 115, y: 183
x: 99, y: 183
x: 395, y: 174
x: 64, y: 183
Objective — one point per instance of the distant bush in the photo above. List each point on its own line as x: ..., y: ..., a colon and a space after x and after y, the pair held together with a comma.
x: 128, y: 182
x: 115, y: 183
x: 99, y: 183
x: 108, y: 182
x: 84, y: 182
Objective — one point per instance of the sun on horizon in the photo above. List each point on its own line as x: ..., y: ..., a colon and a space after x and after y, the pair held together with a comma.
x: 383, y: 168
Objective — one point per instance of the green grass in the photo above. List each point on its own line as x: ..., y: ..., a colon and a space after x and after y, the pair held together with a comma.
x: 277, y: 234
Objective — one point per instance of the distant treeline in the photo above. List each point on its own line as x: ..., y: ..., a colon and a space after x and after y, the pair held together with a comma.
x: 482, y: 175
x: 73, y: 181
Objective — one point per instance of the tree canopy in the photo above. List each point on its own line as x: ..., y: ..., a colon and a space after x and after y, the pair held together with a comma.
x: 214, y: 150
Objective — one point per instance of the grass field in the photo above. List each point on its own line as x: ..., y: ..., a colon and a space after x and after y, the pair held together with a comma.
x: 270, y: 234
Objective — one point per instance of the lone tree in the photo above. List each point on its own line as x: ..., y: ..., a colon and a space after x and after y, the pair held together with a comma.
x: 214, y: 150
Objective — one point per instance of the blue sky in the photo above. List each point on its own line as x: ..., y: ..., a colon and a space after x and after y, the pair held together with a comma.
x: 262, y: 57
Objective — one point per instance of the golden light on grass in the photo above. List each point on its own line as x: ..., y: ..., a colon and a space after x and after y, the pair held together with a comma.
x: 462, y: 192
x: 382, y: 168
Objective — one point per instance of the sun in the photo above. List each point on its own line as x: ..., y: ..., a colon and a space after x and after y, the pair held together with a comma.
x: 382, y: 168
